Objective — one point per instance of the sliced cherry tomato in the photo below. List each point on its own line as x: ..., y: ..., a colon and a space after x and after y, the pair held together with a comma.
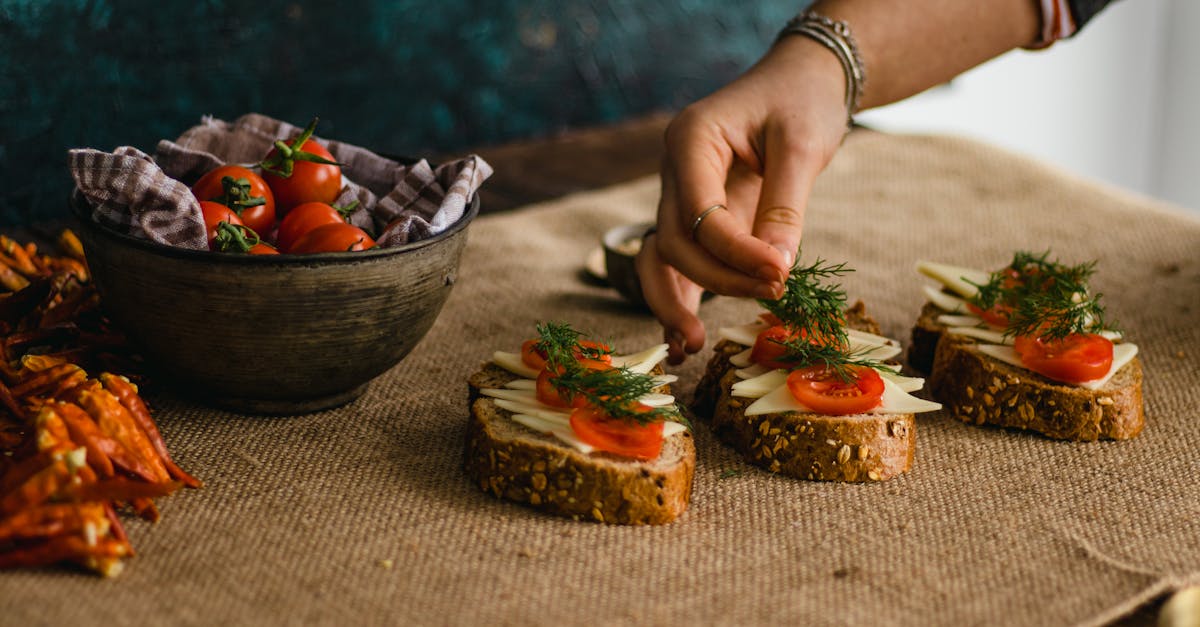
x: 768, y: 346
x: 332, y: 238
x: 243, y: 191
x: 301, y: 171
x: 619, y: 436
x: 552, y: 395
x: 821, y: 390
x: 770, y: 318
x: 587, y: 349
x: 306, y: 217
x: 1073, y: 359
x: 214, y: 214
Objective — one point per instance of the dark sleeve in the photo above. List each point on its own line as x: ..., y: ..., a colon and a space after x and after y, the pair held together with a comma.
x: 1084, y: 10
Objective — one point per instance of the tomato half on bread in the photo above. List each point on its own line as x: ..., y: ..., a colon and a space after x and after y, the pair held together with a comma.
x: 821, y: 389
x: 1076, y: 358
x: 214, y: 214
x: 535, y: 358
x: 621, y: 436
x: 332, y: 238
x: 551, y: 394
x: 242, y: 190
x: 301, y: 171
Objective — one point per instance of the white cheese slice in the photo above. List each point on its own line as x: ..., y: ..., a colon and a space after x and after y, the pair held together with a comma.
x: 761, y: 385
x: 1122, y: 354
x: 512, y: 363
x: 944, y: 301
x: 657, y: 400
x: 955, y: 278
x: 664, y: 379
x: 521, y: 384
x: 742, y: 359
x: 894, y: 401
x: 751, y: 371
x: 744, y: 334
x: 538, y: 410
x: 564, y: 434
x: 908, y: 384
x: 960, y: 320
x: 987, y: 335
x: 644, y: 361
x: 528, y: 396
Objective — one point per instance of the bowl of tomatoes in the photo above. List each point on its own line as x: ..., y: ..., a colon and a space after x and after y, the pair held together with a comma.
x: 260, y: 324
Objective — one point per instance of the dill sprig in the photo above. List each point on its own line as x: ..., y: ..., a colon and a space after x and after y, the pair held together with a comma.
x: 1044, y: 297
x: 808, y: 303
x: 814, y: 305
x: 614, y: 391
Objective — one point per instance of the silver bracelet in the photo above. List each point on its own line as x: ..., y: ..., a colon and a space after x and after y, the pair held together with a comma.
x: 836, y: 36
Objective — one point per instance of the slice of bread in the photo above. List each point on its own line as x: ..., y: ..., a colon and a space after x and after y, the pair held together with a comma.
x: 513, y: 462
x: 859, y: 447
x: 978, y: 389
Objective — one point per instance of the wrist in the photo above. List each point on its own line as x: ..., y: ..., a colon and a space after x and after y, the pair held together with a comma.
x: 837, y: 39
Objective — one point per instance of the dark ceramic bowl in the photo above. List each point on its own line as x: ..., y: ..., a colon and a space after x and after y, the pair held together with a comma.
x: 278, y: 334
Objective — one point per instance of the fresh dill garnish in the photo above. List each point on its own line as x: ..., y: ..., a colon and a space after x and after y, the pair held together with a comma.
x: 615, y: 391
x: 1043, y: 297
x: 808, y: 304
x: 815, y: 308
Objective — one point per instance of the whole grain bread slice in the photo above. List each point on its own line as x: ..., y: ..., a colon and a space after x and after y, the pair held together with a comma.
x: 512, y: 462
x: 978, y: 389
x: 858, y: 448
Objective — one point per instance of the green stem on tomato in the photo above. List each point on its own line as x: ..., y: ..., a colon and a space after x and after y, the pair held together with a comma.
x: 286, y: 155
x: 235, y: 238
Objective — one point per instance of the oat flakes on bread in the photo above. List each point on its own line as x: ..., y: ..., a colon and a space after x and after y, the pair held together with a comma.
x: 524, y: 451
x: 753, y: 410
x: 976, y: 372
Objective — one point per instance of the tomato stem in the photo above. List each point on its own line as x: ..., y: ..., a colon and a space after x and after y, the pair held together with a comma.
x: 235, y: 238
x: 237, y: 195
x: 286, y: 155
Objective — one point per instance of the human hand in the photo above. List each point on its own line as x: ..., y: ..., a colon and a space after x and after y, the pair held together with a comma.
x: 755, y: 148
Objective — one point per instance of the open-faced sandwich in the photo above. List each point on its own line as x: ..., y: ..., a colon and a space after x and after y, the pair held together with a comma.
x: 1027, y: 347
x: 807, y: 391
x: 571, y: 428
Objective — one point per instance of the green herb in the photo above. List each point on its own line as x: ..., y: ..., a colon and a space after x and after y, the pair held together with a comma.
x: 812, y: 305
x: 1043, y: 297
x: 729, y: 473
x: 615, y: 391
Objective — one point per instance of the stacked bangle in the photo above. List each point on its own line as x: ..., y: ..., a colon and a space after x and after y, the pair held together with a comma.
x: 834, y: 35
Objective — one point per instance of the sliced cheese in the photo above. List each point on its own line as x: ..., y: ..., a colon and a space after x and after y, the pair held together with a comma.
x: 564, y: 434
x: 956, y: 278
x: 894, y: 401
x: 742, y: 359
x: 1122, y: 354
x: 761, y: 385
x: 987, y: 335
x: 944, y: 301
x: 744, y: 334
x: 960, y: 320
x: 644, y: 361
x: 512, y: 363
x: 749, y: 372
x: 908, y: 384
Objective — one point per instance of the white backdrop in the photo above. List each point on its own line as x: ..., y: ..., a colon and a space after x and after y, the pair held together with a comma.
x: 1118, y: 102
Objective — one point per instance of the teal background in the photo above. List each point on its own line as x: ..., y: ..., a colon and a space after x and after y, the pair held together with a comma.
x: 401, y: 77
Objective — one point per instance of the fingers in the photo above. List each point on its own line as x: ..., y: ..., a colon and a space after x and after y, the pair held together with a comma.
x: 789, y: 174
x: 674, y: 301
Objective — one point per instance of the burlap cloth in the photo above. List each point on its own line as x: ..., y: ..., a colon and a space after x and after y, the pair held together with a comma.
x: 363, y: 514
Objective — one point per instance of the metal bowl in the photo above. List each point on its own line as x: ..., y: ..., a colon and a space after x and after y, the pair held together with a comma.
x: 277, y: 334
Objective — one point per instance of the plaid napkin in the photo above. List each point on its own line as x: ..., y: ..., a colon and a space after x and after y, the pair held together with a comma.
x: 150, y: 197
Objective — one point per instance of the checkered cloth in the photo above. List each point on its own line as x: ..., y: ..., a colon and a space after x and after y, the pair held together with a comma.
x: 149, y: 197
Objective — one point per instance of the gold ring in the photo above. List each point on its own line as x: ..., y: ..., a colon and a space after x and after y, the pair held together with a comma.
x: 700, y: 218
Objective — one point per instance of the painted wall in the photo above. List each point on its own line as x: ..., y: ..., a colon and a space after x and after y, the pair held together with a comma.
x: 403, y: 76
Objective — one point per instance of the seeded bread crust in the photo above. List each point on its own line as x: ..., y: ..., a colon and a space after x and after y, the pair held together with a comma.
x: 980, y: 390
x: 858, y: 448
x: 510, y: 461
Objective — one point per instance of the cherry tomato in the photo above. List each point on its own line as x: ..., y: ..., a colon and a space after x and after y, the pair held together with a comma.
x: 301, y: 171
x: 304, y: 218
x: 262, y: 249
x: 243, y: 191
x: 1073, y: 359
x: 770, y: 318
x: 768, y: 346
x: 620, y: 436
x: 552, y: 395
x: 821, y: 390
x: 214, y: 214
x: 588, y: 349
x: 332, y: 238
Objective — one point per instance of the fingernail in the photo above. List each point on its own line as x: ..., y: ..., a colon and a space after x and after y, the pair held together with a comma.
x: 768, y: 291
x: 787, y: 255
